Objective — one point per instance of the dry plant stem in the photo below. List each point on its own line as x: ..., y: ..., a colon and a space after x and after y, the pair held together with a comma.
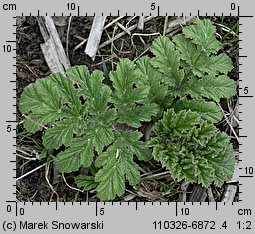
x: 112, y: 45
x: 47, y: 179
x: 81, y: 44
x: 69, y: 186
x: 85, y: 40
x: 67, y: 36
x: 130, y: 19
x: 156, y: 175
x: 235, y: 177
x: 177, y: 23
x: 113, y: 22
x: 123, y: 28
x: 139, y: 56
x: 123, y: 33
x: 184, y: 187
x: 30, y: 172
x: 141, y: 23
x: 31, y: 70
x: 144, y: 35
x: 210, y: 195
x: 145, y: 173
x: 198, y: 194
x: 226, y: 118
x: 27, y: 158
x: 234, y: 112
x: 165, y: 25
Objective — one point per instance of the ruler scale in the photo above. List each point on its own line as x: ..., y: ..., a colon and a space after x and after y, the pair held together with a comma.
x: 126, y: 217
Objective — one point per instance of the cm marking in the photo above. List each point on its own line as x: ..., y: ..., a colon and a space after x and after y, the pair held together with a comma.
x: 244, y: 212
x: 9, y: 7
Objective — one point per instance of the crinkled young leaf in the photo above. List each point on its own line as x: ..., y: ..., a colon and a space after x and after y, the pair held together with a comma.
x: 208, y: 110
x: 131, y: 102
x: 180, y: 122
x: 167, y: 60
x: 202, y: 33
x: 201, y: 155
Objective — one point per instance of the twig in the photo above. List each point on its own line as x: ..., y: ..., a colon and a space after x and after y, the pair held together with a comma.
x: 27, y: 158
x: 144, y: 35
x: 85, y: 40
x: 165, y: 25
x: 123, y: 28
x: 81, y: 44
x: 228, y: 122
x: 28, y: 173
x: 67, y: 36
x: 123, y: 33
x: 69, y: 186
x: 112, y: 22
x: 47, y: 179
x: 156, y: 175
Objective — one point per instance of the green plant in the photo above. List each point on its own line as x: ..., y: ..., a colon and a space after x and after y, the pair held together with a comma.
x: 82, y: 114
x: 192, y: 149
x: 187, y: 142
x: 95, y: 123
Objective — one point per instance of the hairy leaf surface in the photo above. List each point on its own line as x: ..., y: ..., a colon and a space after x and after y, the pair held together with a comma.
x: 203, y: 34
x: 209, y: 110
x: 118, y: 164
x: 202, y: 155
x: 166, y: 60
x: 131, y: 102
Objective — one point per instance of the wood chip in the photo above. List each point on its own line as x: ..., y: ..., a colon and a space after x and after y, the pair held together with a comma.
x: 52, y: 49
x: 235, y: 176
x: 229, y: 194
x: 95, y: 36
x: 198, y: 194
x: 210, y: 195
x: 151, y: 195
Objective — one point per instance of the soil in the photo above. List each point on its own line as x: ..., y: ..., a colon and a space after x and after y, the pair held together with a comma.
x: 31, y: 65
